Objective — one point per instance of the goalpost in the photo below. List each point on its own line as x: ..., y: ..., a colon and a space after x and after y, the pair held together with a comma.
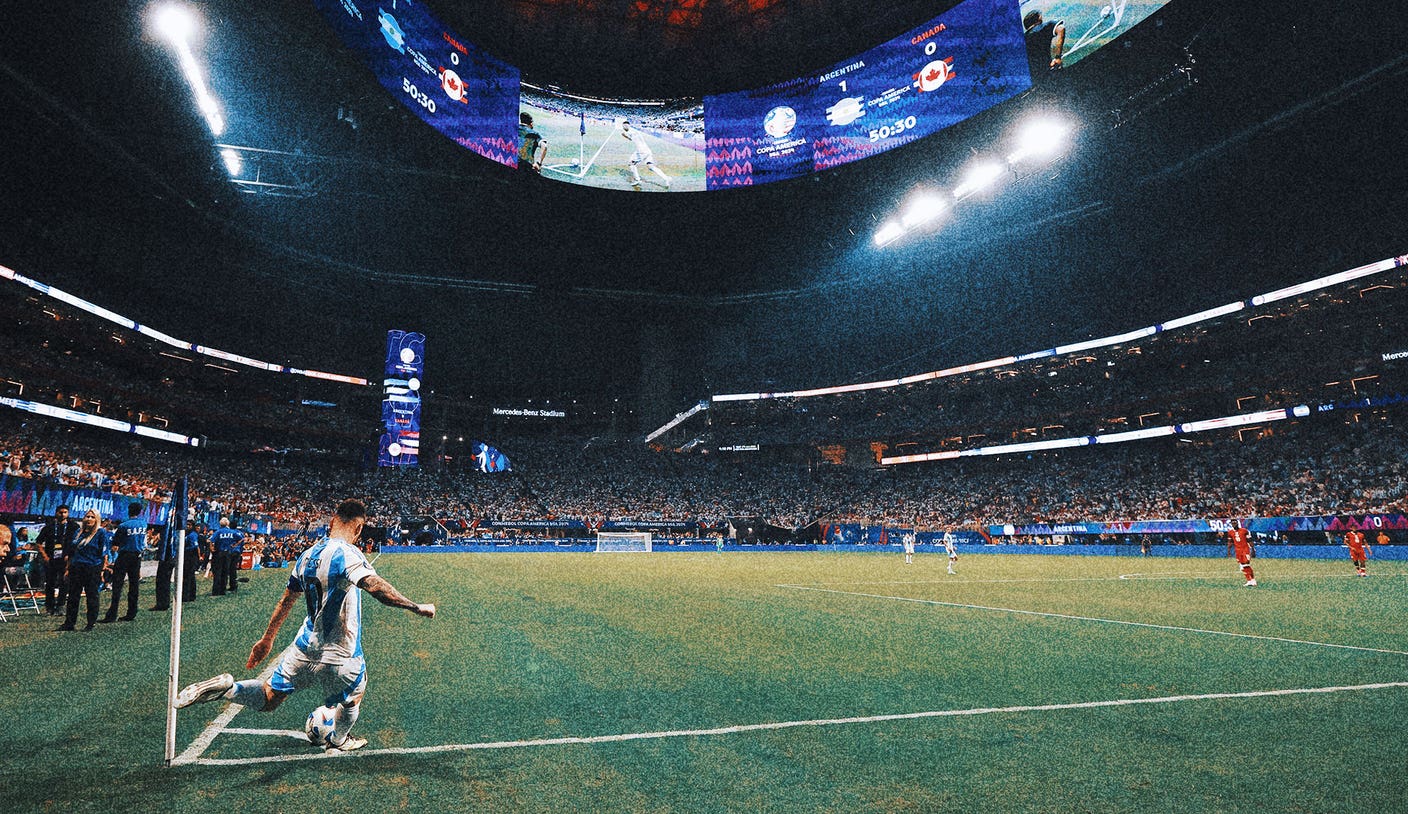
x: 620, y: 541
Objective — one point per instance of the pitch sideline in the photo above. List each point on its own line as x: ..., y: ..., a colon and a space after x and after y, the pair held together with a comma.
x: 742, y: 728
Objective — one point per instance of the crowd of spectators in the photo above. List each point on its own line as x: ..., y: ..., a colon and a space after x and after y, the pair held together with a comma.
x: 1327, y: 465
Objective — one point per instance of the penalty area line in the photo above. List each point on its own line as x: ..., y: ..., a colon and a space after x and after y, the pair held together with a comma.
x: 1075, y: 618
x: 820, y: 722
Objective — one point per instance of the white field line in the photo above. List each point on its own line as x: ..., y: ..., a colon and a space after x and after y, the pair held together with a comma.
x: 1137, y: 576
x: 1180, y: 575
x: 734, y: 730
x: 1095, y: 619
x: 296, y: 734
x: 215, y: 727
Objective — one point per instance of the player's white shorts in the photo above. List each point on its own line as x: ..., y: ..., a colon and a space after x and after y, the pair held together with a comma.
x: 340, y: 683
x: 642, y: 156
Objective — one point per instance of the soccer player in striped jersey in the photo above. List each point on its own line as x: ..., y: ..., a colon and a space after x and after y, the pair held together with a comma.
x: 328, y: 651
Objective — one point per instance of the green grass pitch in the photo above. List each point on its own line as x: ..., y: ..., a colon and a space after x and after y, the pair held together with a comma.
x: 531, y: 647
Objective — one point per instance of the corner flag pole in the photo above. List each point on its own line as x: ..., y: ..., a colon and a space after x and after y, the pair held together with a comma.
x: 176, y: 522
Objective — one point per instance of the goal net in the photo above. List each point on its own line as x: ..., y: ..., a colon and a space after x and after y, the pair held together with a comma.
x: 623, y: 541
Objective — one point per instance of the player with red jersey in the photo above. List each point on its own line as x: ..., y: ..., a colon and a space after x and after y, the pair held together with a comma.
x: 1240, y: 541
x: 1359, y: 550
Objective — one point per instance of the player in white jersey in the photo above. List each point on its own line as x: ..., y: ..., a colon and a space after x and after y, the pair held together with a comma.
x: 908, y: 541
x: 951, y: 547
x: 642, y: 155
x: 328, y: 650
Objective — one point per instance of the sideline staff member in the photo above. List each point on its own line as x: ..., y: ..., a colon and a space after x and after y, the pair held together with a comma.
x: 55, y: 544
x: 85, y: 568
x: 129, y: 541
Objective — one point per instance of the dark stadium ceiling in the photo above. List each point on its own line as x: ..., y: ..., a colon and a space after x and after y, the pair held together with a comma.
x: 1283, y: 161
x: 664, y: 48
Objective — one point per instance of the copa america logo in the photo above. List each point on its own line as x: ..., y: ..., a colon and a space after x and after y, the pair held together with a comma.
x: 779, y: 121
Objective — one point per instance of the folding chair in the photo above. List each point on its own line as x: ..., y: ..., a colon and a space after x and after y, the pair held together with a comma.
x: 17, y: 591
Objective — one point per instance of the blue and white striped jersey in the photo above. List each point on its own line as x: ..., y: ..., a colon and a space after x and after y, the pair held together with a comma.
x: 327, y: 575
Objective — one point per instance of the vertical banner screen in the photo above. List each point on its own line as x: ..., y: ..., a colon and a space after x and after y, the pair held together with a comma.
x: 400, y: 403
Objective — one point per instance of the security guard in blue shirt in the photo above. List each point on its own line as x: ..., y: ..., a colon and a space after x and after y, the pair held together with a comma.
x: 226, y: 545
x: 130, y: 541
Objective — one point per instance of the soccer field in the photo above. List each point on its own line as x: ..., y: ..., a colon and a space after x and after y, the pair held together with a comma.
x: 759, y: 682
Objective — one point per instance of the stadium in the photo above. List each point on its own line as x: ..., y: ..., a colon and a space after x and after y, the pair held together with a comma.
x: 994, y: 405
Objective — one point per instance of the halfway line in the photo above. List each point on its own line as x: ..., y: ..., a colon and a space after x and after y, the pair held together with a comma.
x: 732, y: 730
x: 1096, y: 619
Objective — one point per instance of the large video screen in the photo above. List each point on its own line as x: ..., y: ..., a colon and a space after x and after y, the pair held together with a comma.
x: 446, y: 80
x: 643, y: 145
x: 967, y: 59
x: 1064, y: 32
x: 957, y: 65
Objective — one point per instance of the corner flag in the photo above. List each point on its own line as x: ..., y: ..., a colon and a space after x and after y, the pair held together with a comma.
x: 175, y: 535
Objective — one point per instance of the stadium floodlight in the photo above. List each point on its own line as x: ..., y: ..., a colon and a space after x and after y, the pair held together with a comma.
x: 980, y: 177
x: 888, y: 234
x: 174, y: 22
x: 1042, y: 138
x: 924, y: 210
x: 232, y: 161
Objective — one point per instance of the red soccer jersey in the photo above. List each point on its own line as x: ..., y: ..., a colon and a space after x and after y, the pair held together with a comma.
x: 1241, y: 542
x: 1355, y: 541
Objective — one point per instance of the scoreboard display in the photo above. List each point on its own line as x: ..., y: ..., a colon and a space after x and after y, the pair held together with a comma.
x: 971, y: 57
x: 952, y: 67
x: 448, y: 82
x: 400, y: 403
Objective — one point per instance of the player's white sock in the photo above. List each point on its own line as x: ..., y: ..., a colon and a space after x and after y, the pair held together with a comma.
x: 248, y: 693
x: 343, y: 720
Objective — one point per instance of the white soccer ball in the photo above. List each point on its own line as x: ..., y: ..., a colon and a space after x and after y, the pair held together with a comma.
x: 320, y: 726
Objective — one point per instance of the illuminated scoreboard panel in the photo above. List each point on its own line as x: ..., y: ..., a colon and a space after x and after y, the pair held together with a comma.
x: 968, y: 59
x: 952, y: 67
x: 400, y: 403
x: 449, y: 82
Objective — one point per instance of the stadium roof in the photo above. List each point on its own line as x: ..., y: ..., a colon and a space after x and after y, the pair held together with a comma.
x: 1224, y: 149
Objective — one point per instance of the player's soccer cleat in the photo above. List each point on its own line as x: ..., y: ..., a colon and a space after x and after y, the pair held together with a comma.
x: 351, y: 743
x: 1251, y: 583
x: 210, y: 689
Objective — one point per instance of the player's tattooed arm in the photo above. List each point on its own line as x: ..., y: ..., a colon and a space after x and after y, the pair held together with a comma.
x: 265, y: 645
x: 386, y: 594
